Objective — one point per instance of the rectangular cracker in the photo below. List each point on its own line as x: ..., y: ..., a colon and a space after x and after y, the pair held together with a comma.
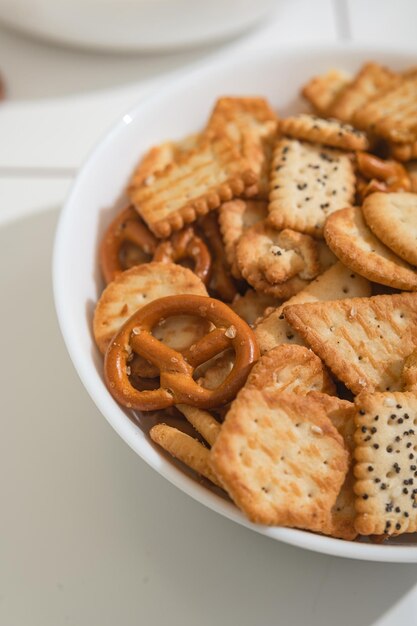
x: 364, y: 341
x: 280, y: 459
x: 392, y: 115
x: 371, y: 80
x: 193, y: 185
x: 308, y: 183
x: 341, y: 413
x: 386, y: 463
x: 251, y: 124
x: 322, y: 90
x: 336, y: 283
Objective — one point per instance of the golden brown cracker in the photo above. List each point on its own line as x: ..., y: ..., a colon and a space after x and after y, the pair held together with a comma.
x: 251, y: 124
x: 184, y: 448
x: 203, y: 422
x: 336, y: 283
x: 385, y: 463
x: 364, y: 341
x: 280, y: 459
x: 410, y: 372
x: 321, y: 91
x: 341, y: 413
x: 308, y: 183
x: 348, y: 236
x: 371, y: 80
x: 252, y: 305
x: 234, y: 218
x: 327, y: 132
x: 290, y: 368
x: 392, y: 217
x: 138, y: 286
x: 194, y: 184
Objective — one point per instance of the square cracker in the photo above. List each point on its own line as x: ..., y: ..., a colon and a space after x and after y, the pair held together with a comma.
x: 251, y: 124
x: 364, y: 341
x: 342, y: 519
x: 386, y: 463
x: 193, y: 185
x: 371, y: 80
x: 336, y: 283
x: 322, y: 90
x: 308, y: 183
x: 280, y: 459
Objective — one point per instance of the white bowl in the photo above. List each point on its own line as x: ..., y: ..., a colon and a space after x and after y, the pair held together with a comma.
x: 177, y: 110
x: 133, y: 24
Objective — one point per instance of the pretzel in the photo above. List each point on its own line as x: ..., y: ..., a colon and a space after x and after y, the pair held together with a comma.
x: 126, y: 227
x: 186, y: 245
x: 221, y: 282
x: 176, y: 369
x: 386, y: 176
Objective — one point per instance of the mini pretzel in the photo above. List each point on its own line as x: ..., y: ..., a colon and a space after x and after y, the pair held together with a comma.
x: 176, y: 369
x: 221, y: 281
x: 127, y: 227
x: 386, y: 176
x: 186, y: 245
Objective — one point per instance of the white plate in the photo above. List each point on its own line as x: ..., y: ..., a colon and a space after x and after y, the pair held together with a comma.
x: 179, y: 109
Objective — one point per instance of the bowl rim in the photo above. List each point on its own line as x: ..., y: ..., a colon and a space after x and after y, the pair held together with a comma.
x: 86, y: 369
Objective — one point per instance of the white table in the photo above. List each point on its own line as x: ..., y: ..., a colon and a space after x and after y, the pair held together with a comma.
x: 88, y: 533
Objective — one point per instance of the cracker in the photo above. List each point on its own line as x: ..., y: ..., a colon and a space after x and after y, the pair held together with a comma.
x: 280, y: 459
x: 158, y: 157
x: 322, y: 90
x: 308, y: 183
x: 386, y: 465
x: 392, y: 217
x: 392, y: 115
x: 184, y: 448
x: 341, y: 414
x: 252, y: 305
x: 371, y: 80
x: 138, y: 286
x: 356, y: 246
x: 327, y: 132
x: 336, y: 283
x: 278, y: 263
x: 290, y: 368
x: 203, y: 422
x: 412, y: 173
x: 251, y: 125
x: 410, y: 372
x: 194, y: 184
x: 364, y: 341
x: 234, y: 218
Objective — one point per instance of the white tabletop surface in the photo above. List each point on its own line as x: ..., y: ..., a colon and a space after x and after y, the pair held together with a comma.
x: 89, y: 535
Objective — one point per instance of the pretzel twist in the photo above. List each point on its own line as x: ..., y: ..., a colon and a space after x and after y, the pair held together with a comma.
x: 186, y: 245
x: 126, y: 227
x: 176, y: 370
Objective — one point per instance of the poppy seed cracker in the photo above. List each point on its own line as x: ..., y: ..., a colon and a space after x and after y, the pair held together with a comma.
x: 308, y: 183
x: 280, y: 459
x: 327, y: 132
x: 364, y: 341
x: 386, y: 463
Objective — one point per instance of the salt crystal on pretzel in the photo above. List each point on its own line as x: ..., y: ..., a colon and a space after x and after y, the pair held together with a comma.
x: 194, y: 184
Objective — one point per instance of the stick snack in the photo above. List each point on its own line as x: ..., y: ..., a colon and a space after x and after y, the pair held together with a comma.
x: 250, y: 324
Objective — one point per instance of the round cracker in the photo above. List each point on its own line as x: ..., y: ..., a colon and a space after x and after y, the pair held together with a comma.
x: 356, y: 246
x: 140, y: 285
x: 393, y: 219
